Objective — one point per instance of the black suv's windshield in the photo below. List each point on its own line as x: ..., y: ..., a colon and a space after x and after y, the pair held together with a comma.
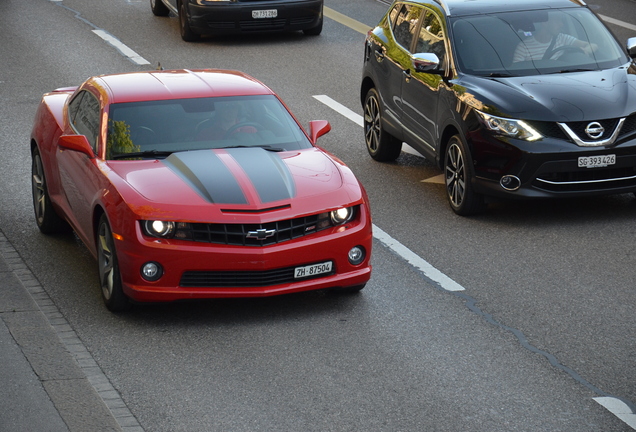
x: 534, y: 42
x: 155, y: 129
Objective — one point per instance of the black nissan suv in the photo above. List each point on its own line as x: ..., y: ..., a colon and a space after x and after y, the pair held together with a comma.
x: 511, y: 99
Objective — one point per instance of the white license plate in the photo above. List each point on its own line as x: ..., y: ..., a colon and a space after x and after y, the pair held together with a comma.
x: 596, y: 161
x: 267, y: 13
x: 313, y: 270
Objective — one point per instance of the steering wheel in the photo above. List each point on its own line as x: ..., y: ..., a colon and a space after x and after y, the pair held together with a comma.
x: 235, y: 128
x: 565, y: 48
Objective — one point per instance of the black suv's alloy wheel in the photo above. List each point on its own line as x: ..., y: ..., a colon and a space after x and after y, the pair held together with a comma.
x: 381, y: 145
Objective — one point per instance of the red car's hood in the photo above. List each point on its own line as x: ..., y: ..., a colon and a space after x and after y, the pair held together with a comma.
x: 239, y: 178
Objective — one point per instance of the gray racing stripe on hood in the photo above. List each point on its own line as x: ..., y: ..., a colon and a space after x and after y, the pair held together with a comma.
x: 207, y: 175
x: 269, y: 175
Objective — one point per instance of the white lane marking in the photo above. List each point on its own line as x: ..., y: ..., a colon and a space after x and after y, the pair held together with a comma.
x: 357, y: 118
x: 125, y: 50
x: 412, y: 258
x: 619, y: 409
x: 429, y: 271
x: 618, y: 22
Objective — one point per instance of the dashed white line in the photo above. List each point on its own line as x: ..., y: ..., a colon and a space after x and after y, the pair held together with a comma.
x: 618, y: 22
x: 411, y: 257
x: 121, y: 47
x: 356, y: 118
x: 416, y: 261
x: 619, y: 408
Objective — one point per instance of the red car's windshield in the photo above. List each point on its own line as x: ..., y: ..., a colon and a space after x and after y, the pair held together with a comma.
x: 158, y: 128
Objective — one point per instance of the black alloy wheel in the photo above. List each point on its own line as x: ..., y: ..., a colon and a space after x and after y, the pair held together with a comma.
x: 109, y: 275
x: 457, y: 174
x: 381, y: 145
x: 46, y: 218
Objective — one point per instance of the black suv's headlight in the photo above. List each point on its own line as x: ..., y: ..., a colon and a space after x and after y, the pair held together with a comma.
x: 509, y: 127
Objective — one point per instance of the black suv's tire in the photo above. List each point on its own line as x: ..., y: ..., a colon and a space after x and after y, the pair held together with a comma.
x: 381, y: 145
x: 158, y: 8
x: 187, y: 34
x: 458, y: 179
x: 314, y: 31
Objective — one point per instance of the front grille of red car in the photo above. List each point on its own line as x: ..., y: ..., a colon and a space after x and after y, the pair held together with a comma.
x: 258, y: 234
x: 241, y: 279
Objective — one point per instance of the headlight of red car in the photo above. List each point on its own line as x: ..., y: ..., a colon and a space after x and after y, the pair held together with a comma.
x: 342, y: 215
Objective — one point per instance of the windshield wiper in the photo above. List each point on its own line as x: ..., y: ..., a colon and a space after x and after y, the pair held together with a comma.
x: 572, y: 70
x: 264, y: 147
x: 499, y: 75
x: 144, y: 154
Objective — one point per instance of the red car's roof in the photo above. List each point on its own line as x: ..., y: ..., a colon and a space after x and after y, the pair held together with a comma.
x: 178, y: 84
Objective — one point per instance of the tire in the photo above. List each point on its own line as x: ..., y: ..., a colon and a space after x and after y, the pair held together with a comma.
x: 184, y: 25
x: 381, y: 145
x: 108, y: 266
x: 48, y: 221
x: 159, y: 8
x: 314, y: 31
x: 458, y: 179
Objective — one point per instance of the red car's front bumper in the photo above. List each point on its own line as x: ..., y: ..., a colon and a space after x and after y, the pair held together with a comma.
x: 177, y: 258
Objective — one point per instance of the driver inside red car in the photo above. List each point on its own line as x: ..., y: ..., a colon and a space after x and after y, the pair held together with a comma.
x: 228, y: 115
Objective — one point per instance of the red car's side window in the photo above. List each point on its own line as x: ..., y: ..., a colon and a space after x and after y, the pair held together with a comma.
x: 84, y: 117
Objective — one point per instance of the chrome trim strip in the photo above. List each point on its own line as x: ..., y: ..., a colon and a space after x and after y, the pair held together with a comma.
x: 586, y: 181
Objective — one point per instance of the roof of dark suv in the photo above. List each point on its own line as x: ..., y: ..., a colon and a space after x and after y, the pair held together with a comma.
x: 472, y: 7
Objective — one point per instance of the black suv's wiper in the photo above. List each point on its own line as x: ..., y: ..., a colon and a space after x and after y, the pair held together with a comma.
x: 144, y: 154
x: 264, y: 147
x: 572, y: 70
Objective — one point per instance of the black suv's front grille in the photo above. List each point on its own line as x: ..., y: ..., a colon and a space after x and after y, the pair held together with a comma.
x: 552, y: 129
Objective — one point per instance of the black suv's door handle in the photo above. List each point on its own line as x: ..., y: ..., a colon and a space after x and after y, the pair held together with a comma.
x: 379, y: 54
x: 407, y: 74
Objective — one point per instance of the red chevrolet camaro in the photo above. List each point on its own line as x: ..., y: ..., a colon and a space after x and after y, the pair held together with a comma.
x: 189, y: 184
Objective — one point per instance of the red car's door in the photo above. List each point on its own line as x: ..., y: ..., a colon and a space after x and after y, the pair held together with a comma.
x: 80, y: 178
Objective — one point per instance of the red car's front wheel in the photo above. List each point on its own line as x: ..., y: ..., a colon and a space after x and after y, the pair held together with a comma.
x: 109, y: 275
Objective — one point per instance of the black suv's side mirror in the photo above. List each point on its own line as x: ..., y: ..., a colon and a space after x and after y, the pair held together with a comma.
x: 427, y: 63
x: 631, y: 47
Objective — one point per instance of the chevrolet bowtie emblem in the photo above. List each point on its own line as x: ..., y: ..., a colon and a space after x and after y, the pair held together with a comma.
x: 261, y: 234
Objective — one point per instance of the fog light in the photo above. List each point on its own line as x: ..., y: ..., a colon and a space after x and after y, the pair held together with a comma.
x: 356, y: 255
x: 151, y: 271
x: 510, y: 182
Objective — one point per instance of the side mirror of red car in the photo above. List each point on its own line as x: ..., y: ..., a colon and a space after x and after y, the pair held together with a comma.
x: 76, y: 143
x: 318, y: 128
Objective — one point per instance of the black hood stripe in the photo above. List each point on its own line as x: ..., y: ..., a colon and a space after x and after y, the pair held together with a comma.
x: 268, y: 173
x: 207, y: 175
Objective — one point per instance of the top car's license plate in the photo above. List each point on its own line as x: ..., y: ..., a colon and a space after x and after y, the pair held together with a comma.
x: 597, y: 161
x: 266, y: 13
x: 313, y: 270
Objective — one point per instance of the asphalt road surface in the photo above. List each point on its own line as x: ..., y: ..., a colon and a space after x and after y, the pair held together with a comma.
x: 520, y: 319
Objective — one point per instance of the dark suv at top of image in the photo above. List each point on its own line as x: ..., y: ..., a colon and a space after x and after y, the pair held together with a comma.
x: 510, y: 99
